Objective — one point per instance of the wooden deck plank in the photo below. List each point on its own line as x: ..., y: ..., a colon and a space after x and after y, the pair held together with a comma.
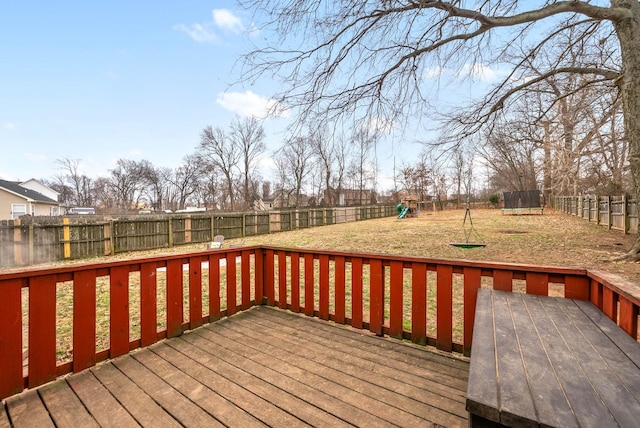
x: 304, y: 342
x: 397, y: 395
x: 200, y: 365
x: 584, y: 401
x: 407, y: 357
x: 137, y: 402
x: 550, y: 403
x: 516, y: 405
x: 262, y: 367
x: 182, y: 409
x: 483, y: 395
x: 408, y: 360
x: 622, y: 340
x: 64, y: 406
x: 311, y: 404
x: 27, y: 410
x: 206, y: 398
x: 99, y: 401
x: 351, y: 390
x: 601, y: 362
x: 4, y: 419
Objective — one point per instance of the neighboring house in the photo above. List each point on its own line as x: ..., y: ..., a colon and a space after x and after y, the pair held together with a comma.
x: 351, y: 197
x: 280, y: 199
x: 21, y: 198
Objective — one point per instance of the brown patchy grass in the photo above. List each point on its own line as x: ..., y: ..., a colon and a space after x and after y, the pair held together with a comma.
x: 553, y: 239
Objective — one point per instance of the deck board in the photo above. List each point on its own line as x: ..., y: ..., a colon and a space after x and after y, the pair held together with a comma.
x: 262, y: 367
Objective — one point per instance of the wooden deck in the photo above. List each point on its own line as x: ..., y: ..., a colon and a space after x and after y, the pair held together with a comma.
x: 260, y: 367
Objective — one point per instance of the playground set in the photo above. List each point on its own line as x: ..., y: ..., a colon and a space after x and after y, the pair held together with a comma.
x: 407, y: 208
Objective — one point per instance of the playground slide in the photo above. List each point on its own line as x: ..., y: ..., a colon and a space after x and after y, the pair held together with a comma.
x: 404, y: 212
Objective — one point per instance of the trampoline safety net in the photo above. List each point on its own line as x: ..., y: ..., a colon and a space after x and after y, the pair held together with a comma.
x: 522, y: 199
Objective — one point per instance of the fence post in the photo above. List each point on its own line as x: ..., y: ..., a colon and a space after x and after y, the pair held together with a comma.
x: 625, y: 223
x: 170, y: 232
x: 106, y: 234
x: 66, y: 238
x: 187, y: 229
x: 17, y: 242
x: 597, y: 209
x: 581, y: 206
x: 31, y: 252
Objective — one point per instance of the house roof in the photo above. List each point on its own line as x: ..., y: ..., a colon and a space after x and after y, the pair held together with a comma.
x: 15, y: 188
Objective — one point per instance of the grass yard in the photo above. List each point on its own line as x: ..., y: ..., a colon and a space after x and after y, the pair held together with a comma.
x: 553, y: 239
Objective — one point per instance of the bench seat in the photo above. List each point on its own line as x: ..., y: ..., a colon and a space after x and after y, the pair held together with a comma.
x: 552, y: 362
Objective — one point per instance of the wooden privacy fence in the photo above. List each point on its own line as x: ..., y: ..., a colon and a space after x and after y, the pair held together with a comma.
x: 119, y: 306
x: 613, y: 212
x: 32, y: 240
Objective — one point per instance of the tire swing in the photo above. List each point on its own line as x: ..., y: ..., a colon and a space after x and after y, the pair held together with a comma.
x: 469, y: 233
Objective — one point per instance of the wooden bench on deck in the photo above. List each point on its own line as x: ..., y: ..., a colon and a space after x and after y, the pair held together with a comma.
x: 545, y: 361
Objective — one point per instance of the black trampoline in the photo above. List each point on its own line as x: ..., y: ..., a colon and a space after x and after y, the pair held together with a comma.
x: 524, y: 201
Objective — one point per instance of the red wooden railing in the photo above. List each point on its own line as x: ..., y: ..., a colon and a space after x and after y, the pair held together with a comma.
x: 427, y: 301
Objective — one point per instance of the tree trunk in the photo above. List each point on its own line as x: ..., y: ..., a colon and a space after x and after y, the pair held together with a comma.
x: 629, y: 84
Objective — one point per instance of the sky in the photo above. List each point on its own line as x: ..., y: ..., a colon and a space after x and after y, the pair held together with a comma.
x: 101, y: 81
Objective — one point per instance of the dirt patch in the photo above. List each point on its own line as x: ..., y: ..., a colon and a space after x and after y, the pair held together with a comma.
x: 513, y: 232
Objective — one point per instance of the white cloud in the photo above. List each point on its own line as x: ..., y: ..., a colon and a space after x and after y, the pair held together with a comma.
x: 480, y: 72
x: 378, y: 124
x: 225, y: 19
x: 9, y: 126
x: 200, y: 33
x: 249, y: 103
x: 432, y: 72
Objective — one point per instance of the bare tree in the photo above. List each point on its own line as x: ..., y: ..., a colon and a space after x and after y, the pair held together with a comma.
x: 218, y: 150
x: 128, y: 181
x: 325, y: 152
x: 294, y: 161
x: 417, y: 178
x: 105, y: 195
x: 185, y: 180
x: 363, y: 168
x: 391, y: 45
x: 157, y: 189
x: 248, y: 135
x: 77, y: 188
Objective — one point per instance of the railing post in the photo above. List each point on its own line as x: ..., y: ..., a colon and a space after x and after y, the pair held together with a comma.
x: 472, y: 283
x: 376, y: 317
x: 11, y: 338
x: 444, y: 307
x: 419, y: 303
x: 396, y: 299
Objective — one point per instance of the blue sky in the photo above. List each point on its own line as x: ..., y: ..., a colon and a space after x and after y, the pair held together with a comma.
x: 139, y: 80
x: 119, y: 79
